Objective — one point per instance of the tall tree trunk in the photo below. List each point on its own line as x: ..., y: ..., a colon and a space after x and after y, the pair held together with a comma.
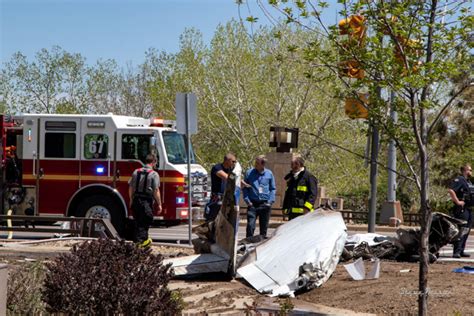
x: 423, y: 149
x: 425, y: 233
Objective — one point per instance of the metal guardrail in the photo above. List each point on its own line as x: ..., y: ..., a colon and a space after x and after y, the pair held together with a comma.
x: 355, y: 217
x: 350, y: 217
x: 79, y: 226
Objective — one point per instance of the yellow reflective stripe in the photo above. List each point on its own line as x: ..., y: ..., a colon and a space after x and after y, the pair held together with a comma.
x: 56, y: 177
x: 302, y: 188
x: 308, y: 205
x: 95, y: 178
x: 297, y: 210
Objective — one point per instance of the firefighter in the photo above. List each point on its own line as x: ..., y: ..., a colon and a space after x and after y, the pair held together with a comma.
x: 12, y: 166
x: 301, y: 190
x: 143, y: 192
x: 459, y: 192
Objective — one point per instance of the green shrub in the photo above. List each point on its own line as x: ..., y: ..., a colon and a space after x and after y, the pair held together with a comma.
x: 24, y: 289
x: 358, y: 198
x: 107, y: 277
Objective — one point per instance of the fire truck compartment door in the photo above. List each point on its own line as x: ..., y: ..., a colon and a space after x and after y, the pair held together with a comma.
x: 97, y: 152
x: 58, y: 163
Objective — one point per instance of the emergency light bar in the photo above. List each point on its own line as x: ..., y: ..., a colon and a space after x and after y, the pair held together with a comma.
x: 159, y: 122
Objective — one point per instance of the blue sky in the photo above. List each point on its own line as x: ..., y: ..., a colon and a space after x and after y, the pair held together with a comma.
x: 101, y: 29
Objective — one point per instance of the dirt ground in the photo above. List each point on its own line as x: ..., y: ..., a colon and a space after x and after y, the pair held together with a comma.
x: 394, y: 292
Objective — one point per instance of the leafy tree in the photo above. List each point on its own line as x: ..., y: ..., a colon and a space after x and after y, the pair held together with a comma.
x: 55, y: 78
x: 60, y: 82
x: 245, y: 84
x: 414, y: 49
x: 103, y: 87
x: 453, y: 138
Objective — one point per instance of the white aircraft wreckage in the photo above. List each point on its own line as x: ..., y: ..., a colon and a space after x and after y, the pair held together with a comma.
x: 301, y: 254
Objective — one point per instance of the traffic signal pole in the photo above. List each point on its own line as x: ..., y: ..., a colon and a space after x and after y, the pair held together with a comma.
x: 373, y: 178
x: 357, y: 105
x: 392, y: 157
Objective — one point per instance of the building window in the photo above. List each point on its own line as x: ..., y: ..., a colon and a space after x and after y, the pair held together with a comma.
x: 60, y: 145
x: 96, y: 146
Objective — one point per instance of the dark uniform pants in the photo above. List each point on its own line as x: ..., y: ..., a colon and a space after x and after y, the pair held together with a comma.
x: 261, y: 210
x: 143, y: 213
x: 293, y: 215
x: 466, y: 215
x: 213, y: 207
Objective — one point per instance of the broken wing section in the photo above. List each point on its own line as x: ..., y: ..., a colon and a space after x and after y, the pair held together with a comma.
x: 196, y: 264
x: 215, y: 245
x: 302, y: 254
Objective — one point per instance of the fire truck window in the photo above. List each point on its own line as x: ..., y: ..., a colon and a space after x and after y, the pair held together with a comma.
x: 95, y: 146
x: 175, y: 145
x: 135, y: 146
x: 60, y: 145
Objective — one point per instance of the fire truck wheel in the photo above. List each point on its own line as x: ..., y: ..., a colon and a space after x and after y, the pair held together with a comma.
x: 102, y: 206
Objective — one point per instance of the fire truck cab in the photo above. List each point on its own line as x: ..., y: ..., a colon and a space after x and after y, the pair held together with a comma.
x: 80, y: 165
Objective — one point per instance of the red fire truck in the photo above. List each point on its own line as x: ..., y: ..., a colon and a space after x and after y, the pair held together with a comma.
x: 80, y: 165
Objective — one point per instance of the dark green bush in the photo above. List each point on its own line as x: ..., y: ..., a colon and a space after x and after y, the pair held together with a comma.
x: 441, y: 206
x: 107, y: 277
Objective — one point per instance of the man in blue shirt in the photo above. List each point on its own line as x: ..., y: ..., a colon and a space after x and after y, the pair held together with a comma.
x: 259, y: 194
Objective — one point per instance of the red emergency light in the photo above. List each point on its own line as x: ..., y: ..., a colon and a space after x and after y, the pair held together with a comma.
x: 160, y: 122
x: 156, y: 121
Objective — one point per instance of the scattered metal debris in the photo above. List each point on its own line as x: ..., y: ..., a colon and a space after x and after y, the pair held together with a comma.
x: 357, y: 269
x: 404, y: 247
